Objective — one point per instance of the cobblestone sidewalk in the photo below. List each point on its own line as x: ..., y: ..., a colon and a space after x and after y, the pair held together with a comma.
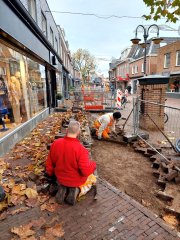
x: 113, y: 216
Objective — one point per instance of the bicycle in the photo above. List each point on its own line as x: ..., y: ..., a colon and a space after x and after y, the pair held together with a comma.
x: 124, y: 101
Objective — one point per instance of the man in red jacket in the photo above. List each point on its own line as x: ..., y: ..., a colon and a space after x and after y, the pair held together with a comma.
x: 69, y: 161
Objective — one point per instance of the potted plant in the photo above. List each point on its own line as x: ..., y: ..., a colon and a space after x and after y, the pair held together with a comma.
x: 59, y: 99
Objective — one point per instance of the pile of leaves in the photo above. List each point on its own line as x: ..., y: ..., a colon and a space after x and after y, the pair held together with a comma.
x: 22, y: 178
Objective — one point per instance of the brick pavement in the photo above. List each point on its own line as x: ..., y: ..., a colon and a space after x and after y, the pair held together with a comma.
x: 113, y: 216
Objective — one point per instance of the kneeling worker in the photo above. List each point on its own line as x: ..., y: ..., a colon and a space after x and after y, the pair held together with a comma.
x: 104, y: 123
x: 69, y: 161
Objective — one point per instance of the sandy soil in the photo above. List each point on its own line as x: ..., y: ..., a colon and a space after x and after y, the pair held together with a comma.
x: 128, y: 171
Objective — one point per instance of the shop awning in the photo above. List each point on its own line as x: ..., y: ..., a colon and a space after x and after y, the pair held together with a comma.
x: 119, y: 78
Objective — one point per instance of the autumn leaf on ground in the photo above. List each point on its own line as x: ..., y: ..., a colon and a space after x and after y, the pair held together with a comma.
x: 11, y: 183
x: 3, y: 216
x: 29, y: 238
x: 31, y: 202
x: 14, y: 199
x: 171, y: 219
x: 30, y: 167
x: 31, y: 193
x: 23, y: 231
x: 51, y: 222
x: 16, y: 211
x: 50, y: 207
x: 43, y: 198
x: 145, y: 203
x: 38, y: 223
x: 3, y: 205
x: 19, y: 189
x: 56, y: 231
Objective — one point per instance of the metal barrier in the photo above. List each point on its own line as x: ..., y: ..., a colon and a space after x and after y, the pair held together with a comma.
x: 161, y: 122
x: 93, y: 99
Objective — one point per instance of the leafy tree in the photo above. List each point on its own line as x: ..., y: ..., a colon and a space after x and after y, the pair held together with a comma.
x: 169, y: 9
x: 84, y: 61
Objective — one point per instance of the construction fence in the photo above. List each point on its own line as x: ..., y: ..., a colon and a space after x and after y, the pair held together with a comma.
x: 161, y: 122
x: 93, y: 99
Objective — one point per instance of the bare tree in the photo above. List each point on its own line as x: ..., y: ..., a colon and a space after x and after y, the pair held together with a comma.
x: 84, y: 61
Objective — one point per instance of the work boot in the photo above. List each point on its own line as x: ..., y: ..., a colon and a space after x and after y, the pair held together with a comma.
x: 60, y: 195
x: 72, y: 195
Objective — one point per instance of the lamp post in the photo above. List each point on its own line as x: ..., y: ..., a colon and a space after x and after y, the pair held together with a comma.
x: 136, y: 40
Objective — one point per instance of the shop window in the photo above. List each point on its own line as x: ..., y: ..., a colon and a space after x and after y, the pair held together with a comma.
x: 32, y: 9
x: 22, y: 89
x: 178, y: 58
x: 44, y: 24
x: 167, y: 60
x: 51, y: 37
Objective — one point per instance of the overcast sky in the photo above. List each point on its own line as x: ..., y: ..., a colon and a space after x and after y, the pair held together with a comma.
x: 102, y: 37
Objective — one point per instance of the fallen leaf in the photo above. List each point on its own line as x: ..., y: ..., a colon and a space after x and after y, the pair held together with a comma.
x: 23, y: 231
x: 29, y: 238
x: 19, y: 189
x: 3, y: 205
x: 145, y: 203
x: 31, y: 202
x: 171, y: 219
x: 11, y: 183
x: 31, y: 193
x: 30, y: 167
x: 16, y: 211
x: 38, y: 223
x: 43, y: 198
x: 37, y: 144
x: 14, y: 199
x: 49, y: 207
x: 56, y: 231
x: 3, y: 216
x: 51, y: 222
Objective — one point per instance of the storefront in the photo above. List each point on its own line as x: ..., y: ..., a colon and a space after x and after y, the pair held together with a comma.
x: 28, y: 74
x: 174, y: 83
x: 22, y: 88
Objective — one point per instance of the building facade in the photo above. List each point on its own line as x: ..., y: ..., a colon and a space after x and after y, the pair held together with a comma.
x: 169, y: 65
x: 152, y: 61
x: 30, y: 67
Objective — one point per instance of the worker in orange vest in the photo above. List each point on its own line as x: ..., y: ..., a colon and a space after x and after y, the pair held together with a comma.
x: 105, y: 124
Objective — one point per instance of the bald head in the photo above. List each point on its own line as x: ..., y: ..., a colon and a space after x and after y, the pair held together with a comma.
x: 73, y: 128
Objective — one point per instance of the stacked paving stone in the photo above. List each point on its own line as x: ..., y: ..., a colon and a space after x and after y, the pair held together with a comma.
x: 167, y: 172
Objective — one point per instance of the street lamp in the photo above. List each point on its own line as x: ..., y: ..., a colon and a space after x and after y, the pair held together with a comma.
x: 136, y: 40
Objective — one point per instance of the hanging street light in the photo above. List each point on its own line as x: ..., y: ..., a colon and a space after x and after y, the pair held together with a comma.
x: 136, y: 40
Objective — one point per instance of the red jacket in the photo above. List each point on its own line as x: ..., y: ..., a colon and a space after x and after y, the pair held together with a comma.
x: 69, y: 160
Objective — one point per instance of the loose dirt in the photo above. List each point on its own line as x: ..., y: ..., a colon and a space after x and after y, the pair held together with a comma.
x: 128, y: 171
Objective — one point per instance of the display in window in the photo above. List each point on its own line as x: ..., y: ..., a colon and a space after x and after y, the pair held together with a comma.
x: 22, y: 89
x: 3, y: 104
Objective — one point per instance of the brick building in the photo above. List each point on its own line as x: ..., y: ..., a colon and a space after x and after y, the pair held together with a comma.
x: 169, y: 64
x: 119, y: 69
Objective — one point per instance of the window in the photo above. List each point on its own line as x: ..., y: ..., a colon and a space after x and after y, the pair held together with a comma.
x: 22, y: 88
x: 166, y: 60
x: 56, y: 44
x: 51, y: 37
x: 178, y: 58
x: 32, y: 9
x: 136, y: 69
x: 142, y: 67
x: 132, y: 69
x: 44, y: 24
